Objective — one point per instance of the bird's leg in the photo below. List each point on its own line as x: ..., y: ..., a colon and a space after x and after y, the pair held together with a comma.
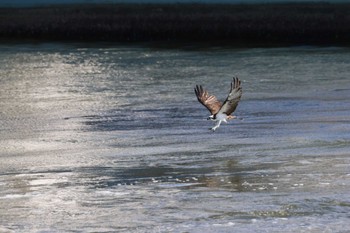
x: 216, y: 125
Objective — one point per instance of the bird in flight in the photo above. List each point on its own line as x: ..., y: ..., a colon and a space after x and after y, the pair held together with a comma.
x: 220, y: 112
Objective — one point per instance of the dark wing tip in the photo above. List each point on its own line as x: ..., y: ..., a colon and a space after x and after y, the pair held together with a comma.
x: 196, y: 89
x: 236, y: 83
x: 199, y: 88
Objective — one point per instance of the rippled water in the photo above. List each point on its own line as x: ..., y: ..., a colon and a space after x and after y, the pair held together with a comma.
x: 100, y: 138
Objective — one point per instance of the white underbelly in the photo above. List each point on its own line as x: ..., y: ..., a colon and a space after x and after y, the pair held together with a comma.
x: 221, y: 117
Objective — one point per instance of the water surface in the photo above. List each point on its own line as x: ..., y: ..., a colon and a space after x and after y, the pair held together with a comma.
x: 101, y: 137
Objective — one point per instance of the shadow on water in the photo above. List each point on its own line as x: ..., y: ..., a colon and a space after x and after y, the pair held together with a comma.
x: 228, y: 174
x: 129, y: 119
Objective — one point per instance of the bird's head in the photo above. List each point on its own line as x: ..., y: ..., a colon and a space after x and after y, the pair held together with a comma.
x: 211, y: 117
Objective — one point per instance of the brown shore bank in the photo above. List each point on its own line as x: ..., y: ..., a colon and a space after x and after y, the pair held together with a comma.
x: 263, y: 24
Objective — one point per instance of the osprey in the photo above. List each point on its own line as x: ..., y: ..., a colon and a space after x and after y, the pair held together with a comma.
x: 220, y: 112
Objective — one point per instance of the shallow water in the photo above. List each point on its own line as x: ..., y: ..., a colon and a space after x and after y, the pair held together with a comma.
x: 100, y: 138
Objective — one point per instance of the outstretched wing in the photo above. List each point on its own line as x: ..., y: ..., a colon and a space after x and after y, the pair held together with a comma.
x: 233, y: 97
x: 209, y: 101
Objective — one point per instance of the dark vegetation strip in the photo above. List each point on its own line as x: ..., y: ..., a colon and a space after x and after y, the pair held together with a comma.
x: 268, y: 24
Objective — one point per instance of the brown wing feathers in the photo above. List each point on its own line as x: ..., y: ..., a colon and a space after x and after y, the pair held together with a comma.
x: 209, y: 101
x: 233, y: 97
x: 214, y: 105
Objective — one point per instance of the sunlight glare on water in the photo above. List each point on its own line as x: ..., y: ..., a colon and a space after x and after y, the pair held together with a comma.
x: 103, y: 137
